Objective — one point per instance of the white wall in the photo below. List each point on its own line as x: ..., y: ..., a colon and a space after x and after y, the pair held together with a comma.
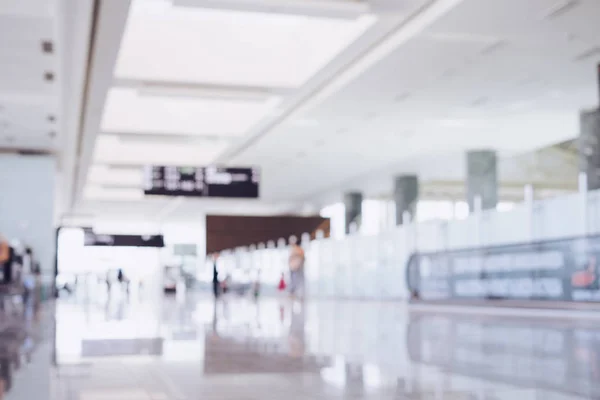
x: 27, y: 203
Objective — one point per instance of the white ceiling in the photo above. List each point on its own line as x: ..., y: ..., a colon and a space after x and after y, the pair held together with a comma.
x: 29, y: 104
x: 489, y: 74
x: 327, y: 104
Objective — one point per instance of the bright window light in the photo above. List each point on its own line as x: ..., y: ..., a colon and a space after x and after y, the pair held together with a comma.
x: 227, y: 47
x: 110, y: 149
x: 103, y: 174
x: 129, y: 111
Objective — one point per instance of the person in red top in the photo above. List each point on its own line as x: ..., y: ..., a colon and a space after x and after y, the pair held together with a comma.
x: 282, y: 286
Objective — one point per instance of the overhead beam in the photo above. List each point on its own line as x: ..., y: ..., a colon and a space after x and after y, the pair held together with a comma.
x: 110, y: 20
x: 346, y: 9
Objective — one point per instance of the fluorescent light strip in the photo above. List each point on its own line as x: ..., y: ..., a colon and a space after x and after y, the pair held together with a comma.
x: 343, y: 9
x: 206, y: 93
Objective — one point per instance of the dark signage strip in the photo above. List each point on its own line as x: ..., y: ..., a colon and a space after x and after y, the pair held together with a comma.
x: 97, y: 239
x: 241, y: 183
x: 558, y: 270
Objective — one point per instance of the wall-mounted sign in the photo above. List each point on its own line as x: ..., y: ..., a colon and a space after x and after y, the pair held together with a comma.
x: 560, y: 270
x: 98, y: 239
x: 225, y: 182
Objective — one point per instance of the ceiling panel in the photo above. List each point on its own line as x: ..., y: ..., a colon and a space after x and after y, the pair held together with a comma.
x: 45, y: 8
x: 131, y: 111
x: 111, y: 149
x: 168, y: 43
x: 28, y: 101
x: 97, y: 192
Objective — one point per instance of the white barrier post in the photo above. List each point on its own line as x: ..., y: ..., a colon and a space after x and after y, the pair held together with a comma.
x: 411, y: 244
x: 583, y: 195
x: 477, y: 208
x: 353, y: 228
x: 528, y: 196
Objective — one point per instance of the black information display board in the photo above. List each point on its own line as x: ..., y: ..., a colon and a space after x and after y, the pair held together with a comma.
x: 559, y: 270
x: 241, y: 183
x: 97, y: 239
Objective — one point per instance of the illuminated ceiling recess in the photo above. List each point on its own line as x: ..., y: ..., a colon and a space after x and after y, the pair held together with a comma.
x: 194, y: 77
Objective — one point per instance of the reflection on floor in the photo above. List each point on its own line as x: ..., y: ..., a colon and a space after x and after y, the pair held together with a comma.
x: 278, y: 349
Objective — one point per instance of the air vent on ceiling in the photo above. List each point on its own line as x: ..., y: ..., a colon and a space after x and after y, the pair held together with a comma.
x: 493, y: 47
x: 401, y: 97
x: 47, y: 46
x: 33, y: 152
x: 560, y: 8
x: 594, y: 52
x: 480, y: 101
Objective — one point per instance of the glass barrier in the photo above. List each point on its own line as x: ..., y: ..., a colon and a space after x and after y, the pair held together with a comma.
x: 374, y: 266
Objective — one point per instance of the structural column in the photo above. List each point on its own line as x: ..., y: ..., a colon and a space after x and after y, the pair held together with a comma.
x: 353, y: 205
x: 589, y: 148
x: 482, y: 179
x: 406, y: 196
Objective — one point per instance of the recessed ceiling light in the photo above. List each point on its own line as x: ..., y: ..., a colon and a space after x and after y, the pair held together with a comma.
x: 52, y: 134
x: 49, y: 76
x: 51, y: 118
x: 47, y: 46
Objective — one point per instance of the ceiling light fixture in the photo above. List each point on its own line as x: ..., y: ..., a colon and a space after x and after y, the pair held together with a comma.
x: 151, y: 89
x: 344, y: 9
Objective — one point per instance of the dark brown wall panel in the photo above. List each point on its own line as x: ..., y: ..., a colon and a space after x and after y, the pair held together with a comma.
x: 228, y: 232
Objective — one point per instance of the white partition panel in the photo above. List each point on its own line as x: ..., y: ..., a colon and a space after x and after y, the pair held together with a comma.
x: 498, y: 228
x: 558, y: 217
x: 374, y: 267
x: 463, y: 233
x: 593, y: 213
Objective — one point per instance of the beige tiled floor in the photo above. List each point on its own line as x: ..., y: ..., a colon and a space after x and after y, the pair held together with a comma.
x: 274, y: 349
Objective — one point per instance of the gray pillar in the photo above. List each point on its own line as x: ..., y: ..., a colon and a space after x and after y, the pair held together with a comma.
x: 353, y: 205
x: 406, y: 195
x: 482, y: 179
x: 589, y: 147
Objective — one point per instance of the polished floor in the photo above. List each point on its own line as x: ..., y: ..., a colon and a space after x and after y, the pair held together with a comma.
x: 240, y: 349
